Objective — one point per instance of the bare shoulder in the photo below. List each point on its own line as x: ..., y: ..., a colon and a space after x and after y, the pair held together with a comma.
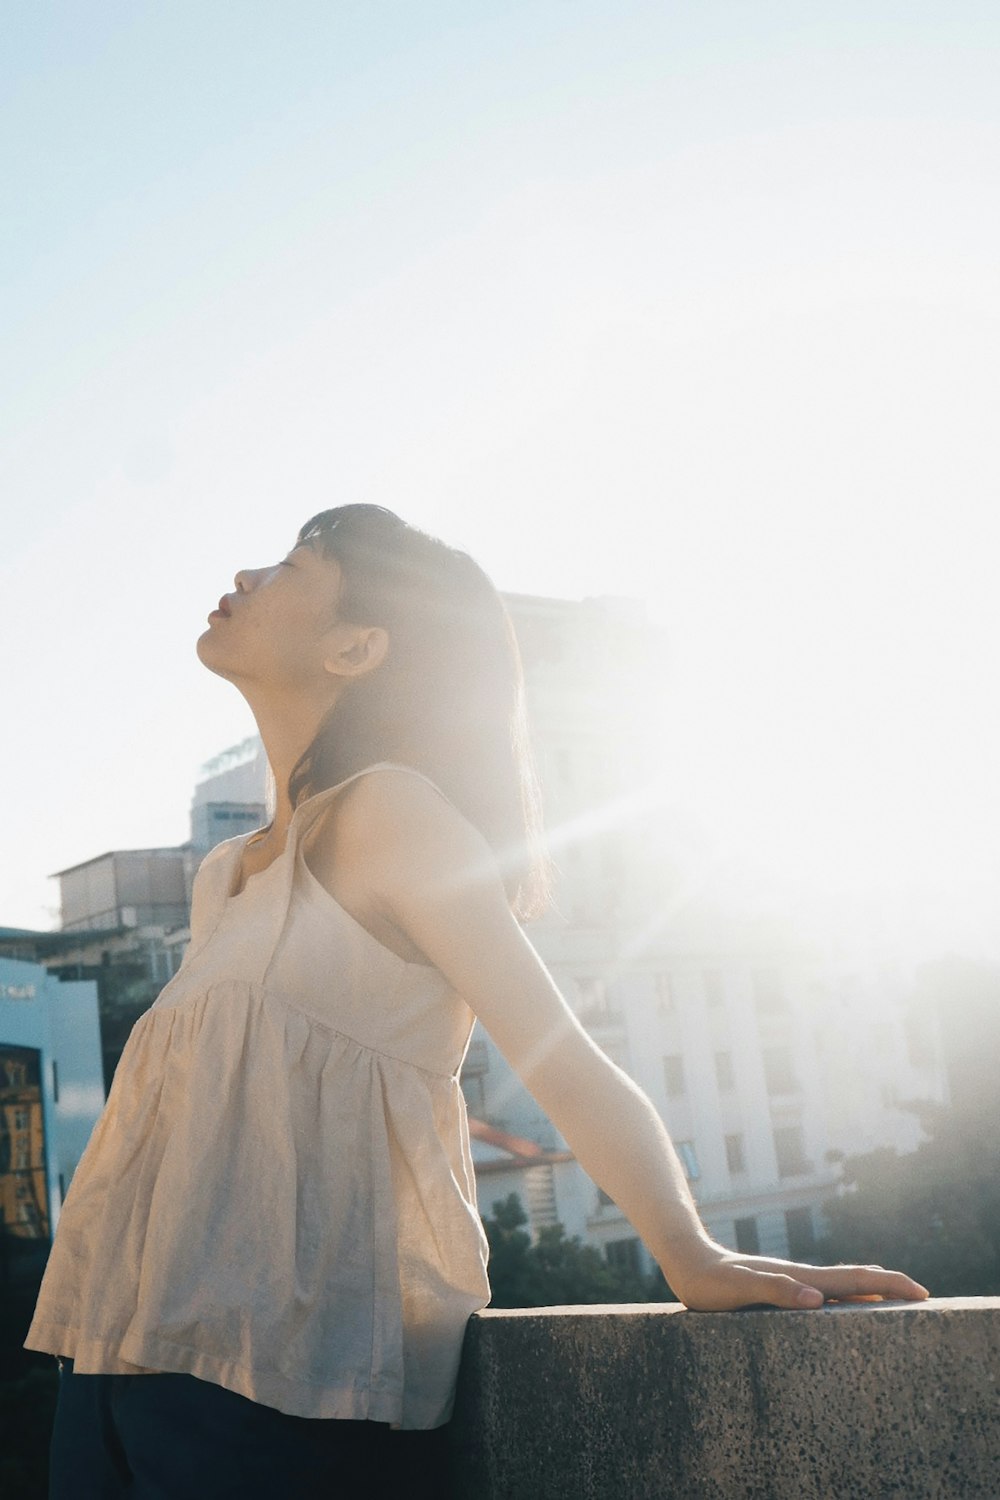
x: 397, y: 825
x: 403, y: 812
x: 394, y: 791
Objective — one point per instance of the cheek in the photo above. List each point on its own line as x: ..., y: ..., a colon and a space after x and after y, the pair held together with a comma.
x: 290, y: 640
x: 270, y: 640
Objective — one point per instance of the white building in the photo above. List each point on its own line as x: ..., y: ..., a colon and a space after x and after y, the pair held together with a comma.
x: 764, y: 1062
x: 766, y: 1052
x: 231, y: 797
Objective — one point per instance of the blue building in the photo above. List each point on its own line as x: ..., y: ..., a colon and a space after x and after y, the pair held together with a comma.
x: 51, y: 1093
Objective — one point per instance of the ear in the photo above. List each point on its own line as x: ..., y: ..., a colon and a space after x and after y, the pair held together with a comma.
x: 358, y: 651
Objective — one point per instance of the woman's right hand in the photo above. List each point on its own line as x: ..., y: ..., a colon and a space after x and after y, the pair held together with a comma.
x: 709, y: 1278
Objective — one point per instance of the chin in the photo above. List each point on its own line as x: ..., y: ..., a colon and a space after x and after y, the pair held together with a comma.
x: 205, y: 652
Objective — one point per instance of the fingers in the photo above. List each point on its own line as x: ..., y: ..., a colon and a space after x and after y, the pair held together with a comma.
x: 735, y: 1281
x: 847, y: 1281
x: 786, y: 1291
x: 755, y: 1288
x: 811, y: 1286
x: 865, y: 1281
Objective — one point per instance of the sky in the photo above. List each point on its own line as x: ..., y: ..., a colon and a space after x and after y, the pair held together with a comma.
x: 692, y: 303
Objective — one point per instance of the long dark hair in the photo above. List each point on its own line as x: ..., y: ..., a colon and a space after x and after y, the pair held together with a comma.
x: 448, y: 699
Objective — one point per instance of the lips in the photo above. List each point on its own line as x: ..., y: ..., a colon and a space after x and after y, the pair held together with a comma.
x: 222, y: 611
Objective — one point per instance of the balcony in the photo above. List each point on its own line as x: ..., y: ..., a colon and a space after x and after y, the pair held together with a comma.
x: 653, y: 1402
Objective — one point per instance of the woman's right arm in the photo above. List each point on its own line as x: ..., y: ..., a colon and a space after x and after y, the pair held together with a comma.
x: 436, y: 878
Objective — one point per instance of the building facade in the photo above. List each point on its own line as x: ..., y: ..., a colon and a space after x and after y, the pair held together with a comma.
x: 51, y: 1093
x: 767, y: 1052
x: 125, y: 913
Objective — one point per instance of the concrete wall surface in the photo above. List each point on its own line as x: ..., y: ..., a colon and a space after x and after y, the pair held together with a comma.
x: 853, y: 1401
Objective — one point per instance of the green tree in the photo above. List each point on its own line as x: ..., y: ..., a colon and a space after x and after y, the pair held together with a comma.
x: 556, y: 1271
x: 933, y: 1212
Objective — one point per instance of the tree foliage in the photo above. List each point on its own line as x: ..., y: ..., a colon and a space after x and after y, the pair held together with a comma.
x: 933, y: 1212
x: 556, y: 1271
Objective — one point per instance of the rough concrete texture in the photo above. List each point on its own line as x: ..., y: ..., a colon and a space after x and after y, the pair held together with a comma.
x: 854, y: 1401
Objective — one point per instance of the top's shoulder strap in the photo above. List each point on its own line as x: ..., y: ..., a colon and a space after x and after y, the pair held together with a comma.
x: 321, y: 799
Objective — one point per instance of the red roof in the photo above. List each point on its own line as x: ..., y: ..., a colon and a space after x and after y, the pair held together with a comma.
x: 523, y: 1153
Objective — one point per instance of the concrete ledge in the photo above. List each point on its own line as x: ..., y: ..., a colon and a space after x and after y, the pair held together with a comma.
x: 645, y: 1402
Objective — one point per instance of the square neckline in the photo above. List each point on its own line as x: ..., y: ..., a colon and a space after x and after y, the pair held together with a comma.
x: 318, y: 890
x: 243, y: 840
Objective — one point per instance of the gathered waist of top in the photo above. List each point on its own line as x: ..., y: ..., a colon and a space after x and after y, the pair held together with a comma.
x: 202, y: 994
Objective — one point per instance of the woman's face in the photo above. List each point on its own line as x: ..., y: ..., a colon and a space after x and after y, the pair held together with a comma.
x: 277, y: 627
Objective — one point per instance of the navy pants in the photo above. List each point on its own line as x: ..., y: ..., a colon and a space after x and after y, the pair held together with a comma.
x: 176, y: 1437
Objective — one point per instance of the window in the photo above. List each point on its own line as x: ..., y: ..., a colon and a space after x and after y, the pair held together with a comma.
x: 477, y: 1058
x: 790, y: 1151
x: 624, y: 1255
x: 540, y: 1195
x: 689, y: 1159
x: 15, y: 1070
x: 747, y: 1238
x: 673, y: 1074
x: 714, y: 992
x: 919, y: 1046
x: 778, y: 1072
x: 55, y: 1080
x: 22, y: 1140
x: 768, y: 993
x: 593, y: 997
x: 475, y: 1094
x: 164, y: 963
x: 736, y: 1159
x: 724, y: 1071
x: 801, y: 1233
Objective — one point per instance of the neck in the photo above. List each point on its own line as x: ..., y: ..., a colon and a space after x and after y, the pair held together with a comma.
x: 287, y: 729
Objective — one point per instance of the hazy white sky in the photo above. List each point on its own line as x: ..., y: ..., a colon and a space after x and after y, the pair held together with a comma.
x: 697, y: 303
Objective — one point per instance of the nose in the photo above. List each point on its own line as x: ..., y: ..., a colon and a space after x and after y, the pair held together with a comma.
x: 242, y: 579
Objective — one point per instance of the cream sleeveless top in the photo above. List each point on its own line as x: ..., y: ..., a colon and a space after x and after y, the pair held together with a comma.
x: 278, y: 1195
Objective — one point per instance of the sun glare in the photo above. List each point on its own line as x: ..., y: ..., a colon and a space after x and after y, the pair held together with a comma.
x: 855, y: 775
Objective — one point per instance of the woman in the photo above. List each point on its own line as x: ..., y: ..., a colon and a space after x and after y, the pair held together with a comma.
x: 270, y: 1247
